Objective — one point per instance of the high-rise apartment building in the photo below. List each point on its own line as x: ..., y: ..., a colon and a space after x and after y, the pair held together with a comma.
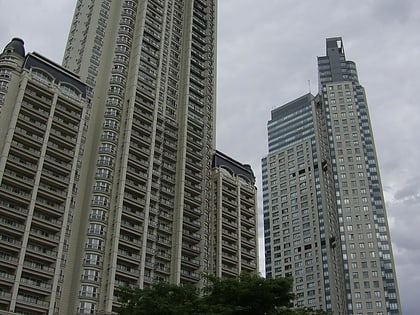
x: 371, y: 282
x: 326, y: 144
x: 42, y: 118
x: 300, y: 217
x: 234, y: 244
x: 151, y: 134
x: 116, y: 181
x: 144, y: 201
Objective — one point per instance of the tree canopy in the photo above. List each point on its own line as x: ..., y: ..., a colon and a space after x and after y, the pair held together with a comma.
x: 248, y: 294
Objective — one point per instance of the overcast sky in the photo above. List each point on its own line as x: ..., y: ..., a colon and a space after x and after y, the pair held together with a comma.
x: 267, y: 53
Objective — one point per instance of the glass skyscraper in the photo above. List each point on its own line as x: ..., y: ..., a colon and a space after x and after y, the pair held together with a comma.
x: 324, y: 212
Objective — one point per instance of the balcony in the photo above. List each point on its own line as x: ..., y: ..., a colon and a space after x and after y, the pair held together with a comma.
x: 162, y: 268
x: 248, y: 231
x: 16, y: 209
x: 14, y: 193
x: 230, y: 233
x: 47, y: 221
x: 4, y: 276
x: 193, y: 212
x: 44, y: 237
x: 42, y: 251
x: 37, y: 285
x: 49, y: 206
x: 11, y: 226
x: 190, y: 262
x: 193, y: 225
x: 38, y: 268
x: 5, y: 296
x: 8, y: 259
x: 229, y: 201
x: 130, y: 241
x: 248, y: 253
x: 31, y: 301
x: 191, y: 249
x: 248, y: 222
x: 129, y: 256
x: 52, y: 174
x: 230, y: 224
x: 190, y: 275
x: 10, y: 241
x: 229, y: 270
x: 128, y: 271
x: 229, y: 214
x: 65, y: 124
x: 133, y: 214
x: 192, y: 237
x: 18, y: 179
x: 233, y: 259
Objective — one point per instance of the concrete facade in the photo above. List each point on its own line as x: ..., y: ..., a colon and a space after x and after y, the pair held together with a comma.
x: 42, y: 114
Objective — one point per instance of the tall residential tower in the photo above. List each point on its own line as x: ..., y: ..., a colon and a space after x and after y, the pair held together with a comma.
x: 346, y: 209
x: 234, y: 219
x: 43, y: 108
x: 145, y: 190
x: 300, y: 217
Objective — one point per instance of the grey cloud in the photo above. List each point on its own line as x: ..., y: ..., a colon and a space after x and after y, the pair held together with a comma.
x: 393, y: 11
x: 410, y: 192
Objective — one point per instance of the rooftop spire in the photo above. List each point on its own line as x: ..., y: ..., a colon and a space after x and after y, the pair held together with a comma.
x: 16, y: 46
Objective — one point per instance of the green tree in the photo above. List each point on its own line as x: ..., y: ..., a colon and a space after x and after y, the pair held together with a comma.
x: 249, y: 294
x: 160, y: 299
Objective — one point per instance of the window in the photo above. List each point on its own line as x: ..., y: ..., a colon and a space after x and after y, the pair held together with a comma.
x: 110, y: 123
x: 92, y: 259
x: 95, y: 228
x: 3, y: 85
x: 97, y: 214
x: 90, y: 275
x: 106, y: 147
x: 94, y: 243
x: 86, y: 308
x: 100, y: 200
x: 88, y: 290
x: 69, y: 91
x: 102, y: 186
x: 4, y: 73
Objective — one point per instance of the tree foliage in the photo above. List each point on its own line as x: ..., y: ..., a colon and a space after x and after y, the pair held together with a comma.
x: 160, y: 299
x: 249, y: 294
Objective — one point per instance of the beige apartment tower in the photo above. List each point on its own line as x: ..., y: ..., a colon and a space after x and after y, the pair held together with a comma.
x: 42, y: 118
x: 234, y: 237
x: 144, y: 202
